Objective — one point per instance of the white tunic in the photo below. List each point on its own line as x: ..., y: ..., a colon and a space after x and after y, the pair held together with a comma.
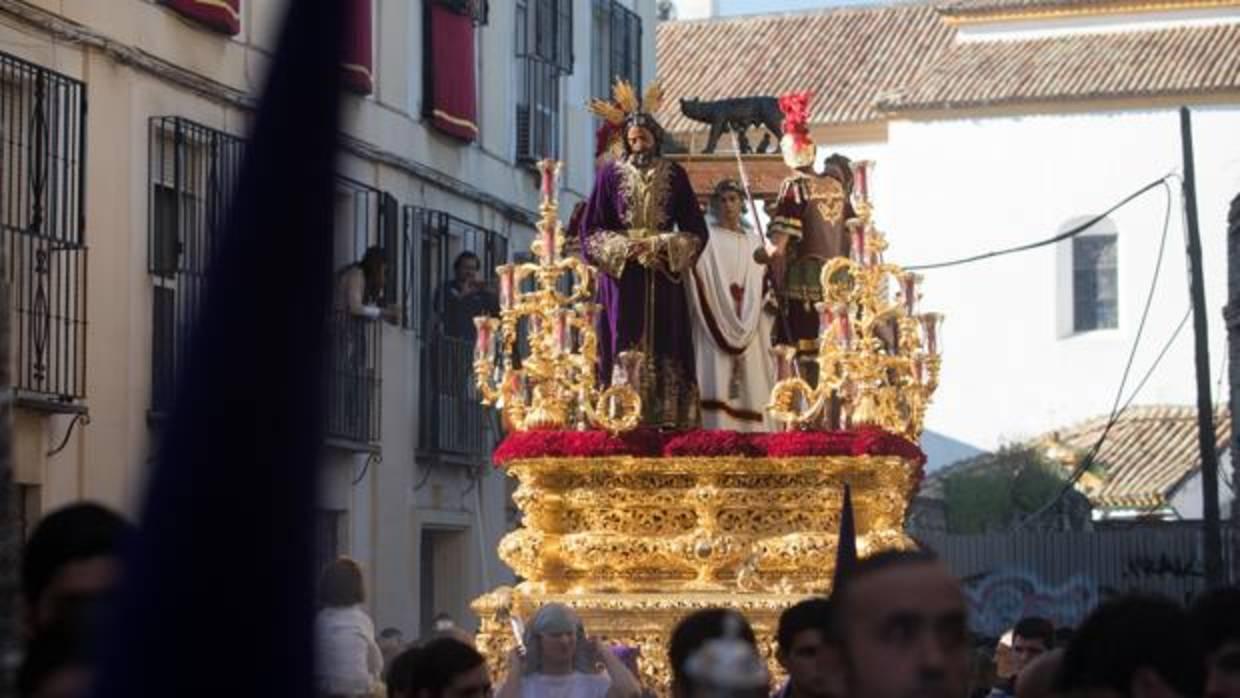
x: 735, y: 369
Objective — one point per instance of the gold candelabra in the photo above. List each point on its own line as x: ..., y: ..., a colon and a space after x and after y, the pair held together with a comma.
x: 553, y: 385
x: 878, y: 357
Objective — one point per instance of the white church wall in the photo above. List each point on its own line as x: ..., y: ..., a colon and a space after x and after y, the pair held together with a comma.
x: 1187, y: 501
x: 954, y: 188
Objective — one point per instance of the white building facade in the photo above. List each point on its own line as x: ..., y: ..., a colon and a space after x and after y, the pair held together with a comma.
x: 171, y: 88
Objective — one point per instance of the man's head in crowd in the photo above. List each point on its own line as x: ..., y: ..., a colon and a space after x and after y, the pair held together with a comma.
x: 390, y: 641
x: 56, y: 664
x: 903, y: 627
x: 442, y: 668
x: 73, y: 559
x: 1037, y: 679
x: 1031, y: 638
x: 1139, y: 646
x: 691, y: 634
x: 1216, y: 615
x: 808, y: 652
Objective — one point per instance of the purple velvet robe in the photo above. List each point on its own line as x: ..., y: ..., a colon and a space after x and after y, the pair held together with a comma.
x: 628, y: 204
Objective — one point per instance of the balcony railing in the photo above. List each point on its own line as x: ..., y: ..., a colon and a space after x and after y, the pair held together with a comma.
x: 452, y: 424
x: 42, y: 230
x: 354, y: 381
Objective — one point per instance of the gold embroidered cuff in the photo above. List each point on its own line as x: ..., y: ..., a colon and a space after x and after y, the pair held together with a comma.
x: 682, y: 250
x: 610, y: 251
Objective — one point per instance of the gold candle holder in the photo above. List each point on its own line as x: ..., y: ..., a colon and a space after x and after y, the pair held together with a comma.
x: 878, y: 358
x: 556, y: 385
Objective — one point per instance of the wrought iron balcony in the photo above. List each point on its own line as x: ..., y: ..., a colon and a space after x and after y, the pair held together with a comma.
x: 453, y: 426
x: 354, y: 381
x: 42, y: 231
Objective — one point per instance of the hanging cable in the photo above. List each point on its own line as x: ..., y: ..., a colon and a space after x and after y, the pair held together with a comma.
x: 1116, y: 410
x: 1087, y: 461
x: 1072, y: 232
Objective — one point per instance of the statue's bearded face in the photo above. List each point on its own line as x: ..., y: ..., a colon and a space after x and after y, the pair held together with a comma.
x: 641, y: 144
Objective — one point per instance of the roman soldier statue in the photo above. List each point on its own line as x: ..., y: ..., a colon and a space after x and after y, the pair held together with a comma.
x: 643, y: 229
x: 807, y: 225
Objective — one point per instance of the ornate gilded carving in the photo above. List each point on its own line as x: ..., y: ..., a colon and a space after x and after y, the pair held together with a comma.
x: 555, y: 386
x: 636, y: 543
x: 878, y: 357
x: 691, y: 524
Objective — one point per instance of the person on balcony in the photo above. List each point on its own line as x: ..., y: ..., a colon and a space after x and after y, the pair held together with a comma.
x: 463, y: 298
x: 359, y: 302
x: 359, y: 290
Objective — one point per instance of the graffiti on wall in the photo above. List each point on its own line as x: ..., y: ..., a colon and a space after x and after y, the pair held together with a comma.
x: 997, y: 600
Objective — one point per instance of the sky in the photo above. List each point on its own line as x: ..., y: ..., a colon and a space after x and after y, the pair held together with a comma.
x: 752, y: 7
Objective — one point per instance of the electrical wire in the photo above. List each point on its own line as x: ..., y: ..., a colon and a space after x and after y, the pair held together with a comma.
x: 1087, y: 461
x: 1116, y: 410
x: 1072, y: 232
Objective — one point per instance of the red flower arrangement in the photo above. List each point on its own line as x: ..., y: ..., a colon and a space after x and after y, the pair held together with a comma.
x: 704, y: 443
x: 577, y: 444
x: 867, y: 441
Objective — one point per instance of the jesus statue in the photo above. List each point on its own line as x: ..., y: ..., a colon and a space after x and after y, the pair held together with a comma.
x: 644, y: 229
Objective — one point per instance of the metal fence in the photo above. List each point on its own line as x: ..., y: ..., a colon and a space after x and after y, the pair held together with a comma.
x: 194, y: 171
x: 354, y: 380
x: 452, y: 422
x: 1063, y: 575
x: 42, y: 221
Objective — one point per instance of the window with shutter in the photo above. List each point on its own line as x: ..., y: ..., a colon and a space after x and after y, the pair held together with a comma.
x: 1095, y: 282
x: 544, y: 54
x: 617, y: 53
x: 449, y: 83
x: 358, y: 63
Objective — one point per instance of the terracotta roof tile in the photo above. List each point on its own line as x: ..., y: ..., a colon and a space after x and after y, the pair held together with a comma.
x: 964, y: 8
x: 1146, y: 455
x: 848, y: 57
x: 863, y: 62
x: 1186, y: 60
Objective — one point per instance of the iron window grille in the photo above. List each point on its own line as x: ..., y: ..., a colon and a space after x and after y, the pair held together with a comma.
x: 452, y: 423
x: 618, y: 47
x: 42, y: 219
x: 1095, y: 282
x: 544, y: 54
x: 194, y: 171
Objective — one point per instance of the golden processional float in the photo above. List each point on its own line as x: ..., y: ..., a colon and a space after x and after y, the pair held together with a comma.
x: 634, y: 528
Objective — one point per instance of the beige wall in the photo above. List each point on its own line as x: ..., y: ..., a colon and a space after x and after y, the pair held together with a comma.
x: 107, y: 459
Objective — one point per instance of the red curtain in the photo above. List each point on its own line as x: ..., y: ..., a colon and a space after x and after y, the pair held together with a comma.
x: 359, y: 73
x: 223, y: 16
x: 451, y: 100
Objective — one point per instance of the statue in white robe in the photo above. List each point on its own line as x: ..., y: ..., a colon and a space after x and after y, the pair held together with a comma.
x: 732, y: 327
